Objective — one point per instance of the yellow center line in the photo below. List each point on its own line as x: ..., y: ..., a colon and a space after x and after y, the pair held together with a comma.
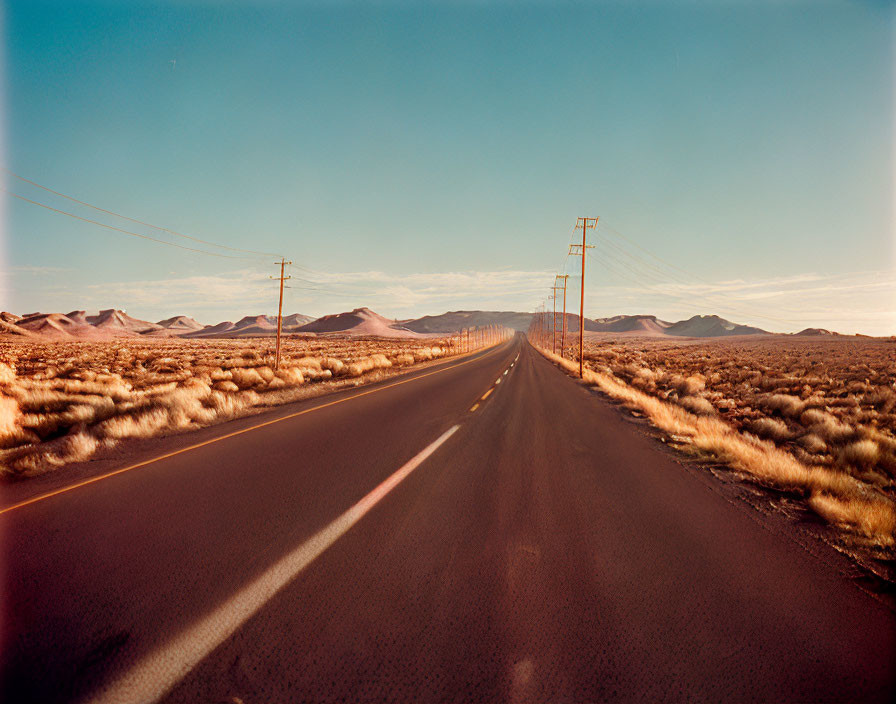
x: 486, y: 394
x: 107, y: 475
x: 475, y: 406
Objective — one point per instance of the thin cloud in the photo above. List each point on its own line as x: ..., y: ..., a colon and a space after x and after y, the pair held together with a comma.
x: 853, y: 302
x: 36, y: 270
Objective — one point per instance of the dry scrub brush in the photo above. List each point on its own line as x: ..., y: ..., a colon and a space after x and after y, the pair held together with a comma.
x: 814, y: 418
x: 62, y: 401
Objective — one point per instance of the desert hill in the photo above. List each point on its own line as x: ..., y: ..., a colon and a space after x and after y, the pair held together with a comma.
x: 10, y: 317
x: 251, y: 326
x: 360, y: 321
x: 181, y: 323
x: 222, y: 329
x: 454, y: 321
x: 9, y: 327
x: 120, y: 323
x: 639, y: 324
x: 57, y: 326
x: 114, y: 323
x: 698, y: 326
x: 816, y: 331
x: 710, y: 326
x: 295, y: 320
x: 79, y: 316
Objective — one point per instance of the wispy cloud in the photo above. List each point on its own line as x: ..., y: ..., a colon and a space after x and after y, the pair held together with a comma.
x: 853, y: 302
x: 850, y: 302
x: 36, y: 270
x: 198, y: 293
x: 421, y: 293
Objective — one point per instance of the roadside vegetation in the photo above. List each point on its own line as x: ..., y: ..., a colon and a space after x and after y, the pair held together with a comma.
x: 815, y: 419
x: 61, y: 402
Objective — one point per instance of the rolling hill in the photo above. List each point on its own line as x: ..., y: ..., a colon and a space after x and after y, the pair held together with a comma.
x: 114, y: 323
x: 181, y: 324
x: 710, y: 326
x: 460, y: 319
x: 360, y: 321
x: 117, y: 322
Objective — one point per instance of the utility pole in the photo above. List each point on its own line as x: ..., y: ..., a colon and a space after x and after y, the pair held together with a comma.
x: 282, y: 278
x: 564, y: 277
x: 586, y: 224
x: 553, y: 320
x: 539, y: 317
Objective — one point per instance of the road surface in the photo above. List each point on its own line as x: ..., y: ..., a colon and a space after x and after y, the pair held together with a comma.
x: 435, y: 537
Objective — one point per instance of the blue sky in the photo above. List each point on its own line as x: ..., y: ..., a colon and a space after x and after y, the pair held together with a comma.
x: 419, y: 158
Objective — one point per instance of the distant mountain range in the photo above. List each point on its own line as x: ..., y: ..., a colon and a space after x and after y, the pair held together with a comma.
x: 361, y: 321
x: 460, y: 319
x: 698, y: 326
x: 112, y: 323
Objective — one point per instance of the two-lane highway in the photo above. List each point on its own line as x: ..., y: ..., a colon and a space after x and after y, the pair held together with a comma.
x: 486, y: 530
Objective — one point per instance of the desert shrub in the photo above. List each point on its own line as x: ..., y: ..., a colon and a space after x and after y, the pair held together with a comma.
x: 698, y: 405
x: 335, y: 366
x: 62, y: 401
x: 827, y: 426
x: 789, y: 406
x: 770, y: 428
x: 813, y: 444
x: 862, y: 453
x: 875, y: 519
x: 7, y: 374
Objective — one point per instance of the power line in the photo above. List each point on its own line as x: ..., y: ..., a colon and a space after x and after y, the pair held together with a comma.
x: 126, y: 232
x: 663, y: 278
x: 125, y: 217
x: 688, y: 279
x: 636, y: 277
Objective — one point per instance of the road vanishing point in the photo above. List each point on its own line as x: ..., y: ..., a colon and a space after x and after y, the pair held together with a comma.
x: 485, y: 529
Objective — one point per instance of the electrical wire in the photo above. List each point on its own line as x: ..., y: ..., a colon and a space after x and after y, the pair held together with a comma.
x: 687, y: 279
x: 637, y: 278
x: 126, y: 232
x: 139, y: 222
x: 718, y: 300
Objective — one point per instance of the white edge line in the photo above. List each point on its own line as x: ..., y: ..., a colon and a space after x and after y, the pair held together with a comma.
x: 157, y: 673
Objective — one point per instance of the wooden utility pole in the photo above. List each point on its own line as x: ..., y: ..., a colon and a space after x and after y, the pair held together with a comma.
x: 564, y: 277
x: 282, y: 278
x: 539, y: 328
x: 553, y: 321
x: 586, y: 224
x: 554, y: 290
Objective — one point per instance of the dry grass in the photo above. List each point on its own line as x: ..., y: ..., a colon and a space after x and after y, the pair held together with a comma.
x: 60, y: 402
x: 813, y: 419
x: 874, y: 519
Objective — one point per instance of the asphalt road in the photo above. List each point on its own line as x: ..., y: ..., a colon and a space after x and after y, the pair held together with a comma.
x: 398, y: 546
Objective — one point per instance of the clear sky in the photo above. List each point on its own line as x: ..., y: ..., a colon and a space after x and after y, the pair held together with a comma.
x: 423, y: 157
